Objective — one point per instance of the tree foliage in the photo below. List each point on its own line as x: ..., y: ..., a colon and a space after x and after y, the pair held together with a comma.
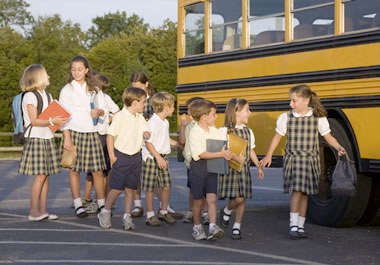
x: 115, y: 45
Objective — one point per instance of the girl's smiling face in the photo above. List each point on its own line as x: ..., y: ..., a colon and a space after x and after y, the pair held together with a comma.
x: 243, y: 115
x: 299, y: 104
x: 79, y: 71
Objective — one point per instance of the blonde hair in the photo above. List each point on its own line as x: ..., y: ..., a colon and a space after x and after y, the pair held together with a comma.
x: 131, y: 94
x: 34, y: 77
x: 161, y: 100
x: 234, y: 105
x: 305, y: 91
x: 201, y: 107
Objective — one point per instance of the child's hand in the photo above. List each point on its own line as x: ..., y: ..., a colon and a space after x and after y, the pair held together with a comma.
x: 67, y: 143
x: 146, y: 135
x: 59, y: 120
x: 266, y: 161
x: 112, y: 160
x: 95, y: 113
x: 241, y: 158
x: 341, y: 151
x: 260, y: 173
x: 227, y: 154
x: 162, y: 164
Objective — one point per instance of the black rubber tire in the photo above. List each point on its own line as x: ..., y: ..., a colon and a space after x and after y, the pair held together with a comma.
x: 326, y: 209
x: 371, y: 216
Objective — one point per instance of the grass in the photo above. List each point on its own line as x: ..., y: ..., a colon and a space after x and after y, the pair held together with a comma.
x: 10, y: 155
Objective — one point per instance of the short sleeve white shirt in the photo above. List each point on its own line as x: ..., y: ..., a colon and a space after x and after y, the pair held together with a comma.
x: 75, y: 98
x: 282, y: 122
x: 160, y: 137
x: 37, y: 132
x: 110, y: 108
x: 223, y: 131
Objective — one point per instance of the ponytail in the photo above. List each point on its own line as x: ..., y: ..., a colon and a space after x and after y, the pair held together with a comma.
x: 306, y: 92
x: 235, y: 104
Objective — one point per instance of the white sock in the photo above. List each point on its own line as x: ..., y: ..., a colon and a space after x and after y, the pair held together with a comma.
x: 301, y: 221
x: 198, y: 226
x: 204, y: 214
x: 77, y: 203
x: 236, y: 225
x: 138, y: 203
x: 211, y: 226
x: 101, y: 203
x: 293, y: 220
x: 104, y: 210
x: 149, y: 214
x: 126, y: 214
x: 170, y: 210
x: 227, y: 211
x: 163, y: 212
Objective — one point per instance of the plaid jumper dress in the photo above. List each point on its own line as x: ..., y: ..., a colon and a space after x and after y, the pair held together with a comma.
x: 301, y: 160
x: 238, y: 184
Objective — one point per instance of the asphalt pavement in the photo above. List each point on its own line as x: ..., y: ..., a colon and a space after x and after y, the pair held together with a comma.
x: 70, y: 240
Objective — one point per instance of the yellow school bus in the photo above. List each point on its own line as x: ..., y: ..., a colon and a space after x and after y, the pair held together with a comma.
x: 259, y: 49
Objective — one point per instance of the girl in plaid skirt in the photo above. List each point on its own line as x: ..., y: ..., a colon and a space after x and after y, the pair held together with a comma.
x: 301, y: 160
x: 86, y: 104
x: 237, y: 184
x: 40, y: 155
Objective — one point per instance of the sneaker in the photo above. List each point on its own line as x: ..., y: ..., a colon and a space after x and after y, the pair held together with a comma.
x: 137, y: 212
x: 301, y: 233
x: 166, y: 217
x: 188, y: 217
x: 293, y: 233
x: 91, y: 207
x: 223, y: 222
x: 199, y: 233
x: 176, y: 215
x: 206, y: 220
x: 128, y: 224
x: 153, y: 221
x: 104, y: 220
x: 86, y: 202
x: 215, y: 233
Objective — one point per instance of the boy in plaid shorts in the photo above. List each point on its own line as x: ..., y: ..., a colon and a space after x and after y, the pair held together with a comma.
x: 124, y: 142
x: 155, y: 172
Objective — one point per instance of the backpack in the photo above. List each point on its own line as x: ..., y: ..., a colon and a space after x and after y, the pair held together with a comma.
x: 18, y: 119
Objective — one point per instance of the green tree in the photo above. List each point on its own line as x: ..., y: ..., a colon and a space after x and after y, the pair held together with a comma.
x: 113, y: 24
x: 56, y: 43
x: 14, y: 13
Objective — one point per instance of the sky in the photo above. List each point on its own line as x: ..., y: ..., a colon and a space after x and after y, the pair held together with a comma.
x: 154, y: 12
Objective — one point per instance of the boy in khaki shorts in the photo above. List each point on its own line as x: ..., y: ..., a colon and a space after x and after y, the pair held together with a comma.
x: 155, y: 172
x: 124, y: 142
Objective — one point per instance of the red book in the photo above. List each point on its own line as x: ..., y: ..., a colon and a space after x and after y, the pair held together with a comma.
x: 54, y: 109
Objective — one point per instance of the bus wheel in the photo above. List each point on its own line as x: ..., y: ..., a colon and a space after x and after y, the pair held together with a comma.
x: 327, y: 209
x: 371, y: 215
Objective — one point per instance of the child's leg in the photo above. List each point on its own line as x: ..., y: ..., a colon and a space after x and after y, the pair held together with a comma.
x: 191, y: 201
x: 111, y: 198
x: 74, y: 184
x: 197, y: 205
x: 211, y: 203
x: 88, y: 187
x: 240, y: 209
x: 99, y: 187
x: 44, y: 196
x: 128, y: 200
x: 105, y: 182
x: 36, y: 194
x: 165, y: 195
x: 149, y: 200
x: 295, y: 201
x: 303, y: 205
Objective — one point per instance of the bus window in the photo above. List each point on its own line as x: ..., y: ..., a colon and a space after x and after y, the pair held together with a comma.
x: 226, y: 24
x: 315, y: 18
x: 266, y: 21
x: 194, y: 29
x: 361, y: 15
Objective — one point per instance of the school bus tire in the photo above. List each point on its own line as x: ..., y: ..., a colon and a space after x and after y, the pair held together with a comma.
x: 337, y: 211
x: 371, y: 216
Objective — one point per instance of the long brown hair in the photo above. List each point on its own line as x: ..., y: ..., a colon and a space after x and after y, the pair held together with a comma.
x: 91, y: 84
x: 235, y: 104
x: 306, y: 92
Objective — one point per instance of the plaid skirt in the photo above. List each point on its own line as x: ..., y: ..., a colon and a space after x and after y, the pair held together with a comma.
x: 90, y: 156
x: 236, y: 184
x: 153, y: 177
x: 40, y: 157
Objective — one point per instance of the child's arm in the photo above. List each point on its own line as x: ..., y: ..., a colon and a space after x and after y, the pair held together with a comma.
x: 160, y: 161
x: 255, y: 160
x: 226, y: 154
x: 267, y: 160
x: 67, y: 140
x: 173, y: 142
x: 334, y: 143
x: 110, y: 149
x: 181, y: 134
x: 35, y: 121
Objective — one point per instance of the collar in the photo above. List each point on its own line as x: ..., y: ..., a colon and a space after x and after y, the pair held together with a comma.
x: 308, y: 114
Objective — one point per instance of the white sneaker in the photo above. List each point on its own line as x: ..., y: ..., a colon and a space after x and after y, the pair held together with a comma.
x: 128, y: 223
x: 188, y: 217
x: 105, y: 219
x: 206, y: 220
x: 215, y: 233
x: 199, y: 233
x: 92, y: 207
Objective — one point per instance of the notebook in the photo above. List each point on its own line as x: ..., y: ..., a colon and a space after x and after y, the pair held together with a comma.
x: 54, y: 109
x: 216, y: 165
x: 237, y: 145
